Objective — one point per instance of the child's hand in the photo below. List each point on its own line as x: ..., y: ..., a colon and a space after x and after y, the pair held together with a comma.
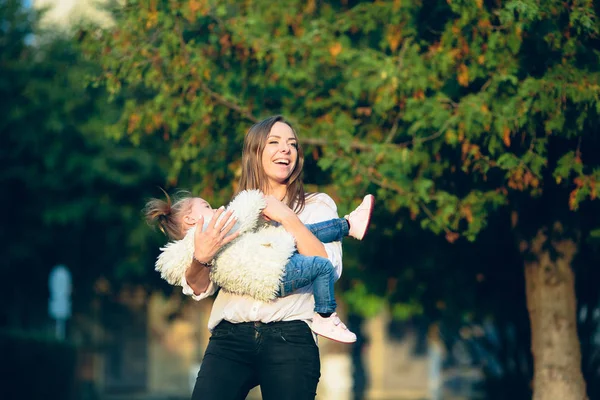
x: 208, y: 243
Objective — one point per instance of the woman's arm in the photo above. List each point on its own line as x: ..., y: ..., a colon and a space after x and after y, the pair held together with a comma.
x: 197, y: 277
x: 306, y: 242
x: 320, y: 207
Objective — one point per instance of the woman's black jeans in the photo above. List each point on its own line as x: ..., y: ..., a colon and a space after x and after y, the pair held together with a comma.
x: 281, y: 357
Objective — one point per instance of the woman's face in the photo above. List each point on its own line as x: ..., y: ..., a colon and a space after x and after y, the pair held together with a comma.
x: 280, y: 154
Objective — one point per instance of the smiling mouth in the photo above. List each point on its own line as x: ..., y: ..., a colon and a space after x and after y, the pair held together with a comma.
x: 282, y: 162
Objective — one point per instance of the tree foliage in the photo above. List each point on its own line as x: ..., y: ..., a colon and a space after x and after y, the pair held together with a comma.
x: 70, y: 195
x: 413, y: 97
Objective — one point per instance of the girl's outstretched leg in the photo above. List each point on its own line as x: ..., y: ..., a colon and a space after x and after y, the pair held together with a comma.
x: 360, y: 218
x: 302, y: 271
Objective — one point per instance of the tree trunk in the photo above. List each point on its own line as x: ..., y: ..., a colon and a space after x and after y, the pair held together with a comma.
x: 550, y: 289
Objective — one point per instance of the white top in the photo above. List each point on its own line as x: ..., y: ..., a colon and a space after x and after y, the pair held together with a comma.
x: 297, y: 306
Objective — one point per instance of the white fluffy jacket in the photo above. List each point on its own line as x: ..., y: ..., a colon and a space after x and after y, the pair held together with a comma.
x: 253, y: 264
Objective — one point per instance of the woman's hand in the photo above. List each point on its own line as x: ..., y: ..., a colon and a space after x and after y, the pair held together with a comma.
x: 306, y: 242
x: 277, y: 211
x: 209, y: 242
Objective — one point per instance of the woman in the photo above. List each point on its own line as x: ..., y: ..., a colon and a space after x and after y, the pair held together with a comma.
x: 255, y: 343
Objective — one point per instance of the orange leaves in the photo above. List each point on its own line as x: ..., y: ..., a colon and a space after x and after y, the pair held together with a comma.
x: 394, y: 36
x: 586, y: 186
x: 463, y: 75
x: 133, y: 123
x: 295, y: 23
x: 484, y: 23
x: 150, y: 123
x: 393, y: 41
x: 506, y: 136
x: 157, y: 120
x: 195, y: 8
x: 434, y: 48
x: 573, y: 203
x: 364, y: 111
x: 467, y: 212
x: 311, y: 6
x: 198, y: 6
x: 225, y: 42
x: 335, y: 49
x: 419, y: 95
x: 455, y: 54
x: 515, y: 180
x: 152, y: 15
x: 470, y: 150
x: 451, y: 237
x: 521, y: 179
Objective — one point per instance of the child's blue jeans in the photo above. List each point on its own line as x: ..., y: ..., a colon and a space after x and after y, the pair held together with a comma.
x: 302, y: 270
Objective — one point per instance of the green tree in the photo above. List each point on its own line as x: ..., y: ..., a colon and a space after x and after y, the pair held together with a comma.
x: 455, y: 111
x: 70, y: 195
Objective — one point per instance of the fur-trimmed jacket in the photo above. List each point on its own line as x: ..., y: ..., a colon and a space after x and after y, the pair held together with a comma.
x: 253, y: 264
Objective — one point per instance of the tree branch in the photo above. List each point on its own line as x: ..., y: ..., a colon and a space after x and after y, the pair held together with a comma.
x: 204, y: 87
x: 392, y: 133
x: 402, y: 53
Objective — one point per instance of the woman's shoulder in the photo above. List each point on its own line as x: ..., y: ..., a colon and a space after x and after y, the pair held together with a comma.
x: 319, y: 199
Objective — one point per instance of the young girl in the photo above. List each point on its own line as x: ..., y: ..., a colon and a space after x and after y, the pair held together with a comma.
x: 175, y: 219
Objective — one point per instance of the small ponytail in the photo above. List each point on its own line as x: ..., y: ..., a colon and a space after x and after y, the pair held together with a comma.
x: 166, y: 214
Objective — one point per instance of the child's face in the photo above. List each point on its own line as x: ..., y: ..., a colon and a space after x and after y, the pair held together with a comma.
x: 200, y: 207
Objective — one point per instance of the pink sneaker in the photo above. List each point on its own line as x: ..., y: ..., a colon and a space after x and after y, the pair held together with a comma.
x: 360, y: 218
x: 332, y: 328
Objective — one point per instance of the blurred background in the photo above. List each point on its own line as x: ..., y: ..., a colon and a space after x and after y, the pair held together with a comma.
x: 474, y: 123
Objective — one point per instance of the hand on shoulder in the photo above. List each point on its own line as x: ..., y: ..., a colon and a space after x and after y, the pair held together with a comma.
x: 276, y: 210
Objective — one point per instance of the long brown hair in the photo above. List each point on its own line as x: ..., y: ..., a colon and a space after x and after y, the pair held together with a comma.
x: 253, y: 175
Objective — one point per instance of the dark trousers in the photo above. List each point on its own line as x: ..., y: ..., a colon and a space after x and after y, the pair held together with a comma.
x: 281, y: 357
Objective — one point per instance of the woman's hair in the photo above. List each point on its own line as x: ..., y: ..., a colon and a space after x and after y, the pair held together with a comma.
x: 253, y: 175
x: 167, y: 213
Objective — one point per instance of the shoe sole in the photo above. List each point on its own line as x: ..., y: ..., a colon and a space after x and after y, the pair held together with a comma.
x: 330, y: 338
x: 370, y: 214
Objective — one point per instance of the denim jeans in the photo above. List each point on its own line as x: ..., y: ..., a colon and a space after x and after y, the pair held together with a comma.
x: 332, y: 230
x: 302, y: 270
x: 281, y: 357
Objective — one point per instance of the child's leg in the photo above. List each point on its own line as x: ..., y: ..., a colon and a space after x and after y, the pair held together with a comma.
x: 332, y: 230
x: 354, y: 224
x: 301, y: 271
x: 360, y: 218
